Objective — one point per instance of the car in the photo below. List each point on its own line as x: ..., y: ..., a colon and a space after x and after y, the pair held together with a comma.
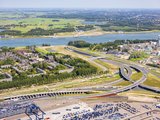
x: 68, y: 109
x: 56, y: 113
x: 76, y: 107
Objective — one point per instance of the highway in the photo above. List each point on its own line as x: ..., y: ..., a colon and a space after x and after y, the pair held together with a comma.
x: 124, y: 75
x: 139, y: 82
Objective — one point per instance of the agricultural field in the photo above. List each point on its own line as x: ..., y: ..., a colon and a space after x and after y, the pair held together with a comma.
x: 9, y: 15
x: 27, y: 24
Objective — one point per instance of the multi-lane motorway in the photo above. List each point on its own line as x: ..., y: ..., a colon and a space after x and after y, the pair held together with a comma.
x: 127, y: 76
x: 125, y: 71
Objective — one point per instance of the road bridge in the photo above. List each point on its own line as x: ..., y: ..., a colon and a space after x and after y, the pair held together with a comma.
x: 45, y: 94
x: 123, y: 66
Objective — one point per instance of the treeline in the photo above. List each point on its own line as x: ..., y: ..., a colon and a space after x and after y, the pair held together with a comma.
x: 36, y: 32
x: 20, y: 81
x: 114, y: 45
x: 85, y: 28
x: 115, y: 20
x: 11, y: 32
x: 6, y: 49
x: 81, y: 68
x: 128, y: 26
x: 154, y: 65
x: 107, y: 46
x: 7, y: 61
x: 79, y: 43
x: 40, y: 31
x: 137, y: 55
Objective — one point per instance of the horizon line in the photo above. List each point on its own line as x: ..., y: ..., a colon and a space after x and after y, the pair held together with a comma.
x: 68, y: 8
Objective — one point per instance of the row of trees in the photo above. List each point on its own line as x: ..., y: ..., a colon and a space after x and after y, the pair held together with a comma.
x: 2, y: 76
x: 79, y: 43
x: 7, y: 61
x: 85, y: 27
x: 36, y: 31
x: 114, y: 45
x: 125, y: 20
x: 137, y: 55
x: 81, y: 68
x: 154, y: 65
x: 6, y: 49
x: 40, y: 31
x: 108, y: 45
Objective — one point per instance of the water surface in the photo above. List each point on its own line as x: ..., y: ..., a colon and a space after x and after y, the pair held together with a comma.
x: 63, y: 41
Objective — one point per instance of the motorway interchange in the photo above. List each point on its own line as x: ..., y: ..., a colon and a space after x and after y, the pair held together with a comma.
x: 125, y: 76
x: 125, y: 70
x: 122, y: 68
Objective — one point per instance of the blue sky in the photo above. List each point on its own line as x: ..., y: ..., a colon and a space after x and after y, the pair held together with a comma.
x: 79, y: 3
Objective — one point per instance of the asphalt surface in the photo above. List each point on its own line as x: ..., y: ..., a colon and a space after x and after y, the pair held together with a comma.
x: 124, y: 75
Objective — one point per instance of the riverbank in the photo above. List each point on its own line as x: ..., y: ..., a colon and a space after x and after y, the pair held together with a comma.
x: 97, y: 33
x: 96, y: 38
x: 81, y: 34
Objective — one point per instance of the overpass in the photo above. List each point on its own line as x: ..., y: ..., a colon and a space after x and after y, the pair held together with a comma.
x: 80, y: 52
x: 124, y: 75
x: 46, y: 94
x: 123, y: 89
x: 140, y: 69
x: 150, y: 88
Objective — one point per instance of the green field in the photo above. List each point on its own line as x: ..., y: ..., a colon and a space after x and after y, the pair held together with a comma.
x: 119, y: 28
x: 25, y: 25
x: 112, y: 68
x: 152, y: 81
x: 91, y: 82
x: 136, y: 76
x: 124, y: 83
x: 40, y: 50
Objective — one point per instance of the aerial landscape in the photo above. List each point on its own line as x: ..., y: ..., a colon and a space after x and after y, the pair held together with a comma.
x: 79, y: 60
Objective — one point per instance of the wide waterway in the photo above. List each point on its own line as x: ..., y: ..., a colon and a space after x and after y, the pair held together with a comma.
x: 63, y: 41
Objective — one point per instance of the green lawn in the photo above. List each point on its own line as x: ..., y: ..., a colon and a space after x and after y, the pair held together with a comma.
x: 41, y: 50
x: 136, y: 76
x: 2, y: 76
x: 124, y: 83
x: 112, y: 68
x: 152, y: 80
x: 91, y: 82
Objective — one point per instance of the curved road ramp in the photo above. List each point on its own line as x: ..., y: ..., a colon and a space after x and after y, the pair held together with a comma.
x: 138, y: 83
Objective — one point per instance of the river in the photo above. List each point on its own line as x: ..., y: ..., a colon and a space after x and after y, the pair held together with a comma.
x: 63, y: 41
